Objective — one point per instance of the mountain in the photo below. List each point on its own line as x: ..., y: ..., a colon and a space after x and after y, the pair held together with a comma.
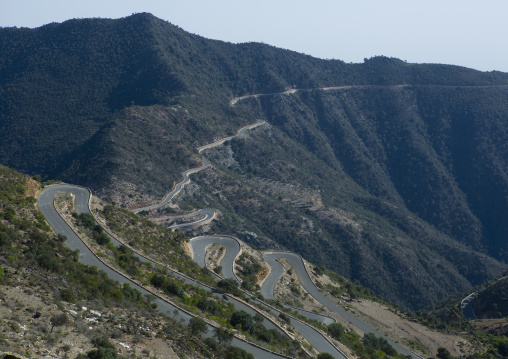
x: 396, y: 177
x: 492, y: 301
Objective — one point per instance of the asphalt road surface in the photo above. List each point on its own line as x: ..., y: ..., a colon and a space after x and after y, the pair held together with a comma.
x: 207, y: 213
x: 306, y: 282
x: 466, y: 305
x: 199, y: 246
x: 59, y: 226
x: 205, y: 165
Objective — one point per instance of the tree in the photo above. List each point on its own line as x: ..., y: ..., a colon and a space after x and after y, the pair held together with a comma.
x: 258, y: 318
x: 443, y: 353
x: 197, y: 326
x: 87, y: 220
x: 336, y: 330
x: 237, y: 353
x: 224, y: 335
x: 101, y: 238
x: 324, y: 356
x: 244, y: 319
x: 229, y: 285
x: 58, y: 320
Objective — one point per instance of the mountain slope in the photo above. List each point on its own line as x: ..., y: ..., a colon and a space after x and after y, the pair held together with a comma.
x: 289, y: 199
x: 441, y: 151
x: 405, y: 169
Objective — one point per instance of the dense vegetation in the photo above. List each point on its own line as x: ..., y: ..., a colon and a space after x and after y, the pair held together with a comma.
x: 403, y: 187
x: 353, y: 233
x: 492, y: 302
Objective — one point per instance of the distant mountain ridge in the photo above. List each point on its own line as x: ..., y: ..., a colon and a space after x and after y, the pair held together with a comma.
x: 120, y: 106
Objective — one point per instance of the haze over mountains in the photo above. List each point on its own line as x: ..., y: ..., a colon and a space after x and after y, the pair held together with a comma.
x: 400, y: 181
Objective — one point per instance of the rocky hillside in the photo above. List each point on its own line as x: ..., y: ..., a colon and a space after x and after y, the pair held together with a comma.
x: 53, y: 306
x: 402, y: 173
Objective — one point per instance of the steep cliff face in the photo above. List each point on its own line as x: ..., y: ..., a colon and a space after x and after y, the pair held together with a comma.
x: 406, y: 164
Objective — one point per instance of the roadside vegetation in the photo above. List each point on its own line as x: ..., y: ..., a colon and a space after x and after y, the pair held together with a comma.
x: 248, y: 268
x: 63, y: 308
x: 59, y: 306
x: 47, y: 263
x: 154, y: 241
x: 391, y: 177
x: 144, y: 234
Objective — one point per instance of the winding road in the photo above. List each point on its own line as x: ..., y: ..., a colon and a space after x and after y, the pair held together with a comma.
x: 82, y: 198
x: 86, y: 256
x: 313, y: 336
x: 207, y: 213
x: 186, y: 174
x: 199, y: 245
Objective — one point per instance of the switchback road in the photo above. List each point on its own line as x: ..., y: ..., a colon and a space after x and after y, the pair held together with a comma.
x: 86, y: 256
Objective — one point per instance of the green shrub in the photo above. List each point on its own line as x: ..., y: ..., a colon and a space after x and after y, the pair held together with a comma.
x: 208, y: 305
x: 336, y: 330
x: 103, y: 353
x: 285, y: 318
x: 197, y: 326
x: 102, y: 341
x: 69, y: 295
x: 244, y: 319
x: 211, y: 343
x: 229, y: 285
x: 86, y: 220
x: 237, y: 353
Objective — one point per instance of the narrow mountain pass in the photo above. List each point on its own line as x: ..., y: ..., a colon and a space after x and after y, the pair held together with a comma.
x: 200, y: 244
x: 81, y: 197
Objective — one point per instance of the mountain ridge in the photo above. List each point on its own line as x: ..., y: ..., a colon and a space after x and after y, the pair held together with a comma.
x: 120, y: 106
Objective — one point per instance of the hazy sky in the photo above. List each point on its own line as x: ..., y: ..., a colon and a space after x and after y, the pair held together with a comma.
x: 467, y: 33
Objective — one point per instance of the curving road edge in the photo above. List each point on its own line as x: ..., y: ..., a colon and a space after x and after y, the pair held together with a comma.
x: 198, y: 246
x: 186, y: 180
x: 82, y: 197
